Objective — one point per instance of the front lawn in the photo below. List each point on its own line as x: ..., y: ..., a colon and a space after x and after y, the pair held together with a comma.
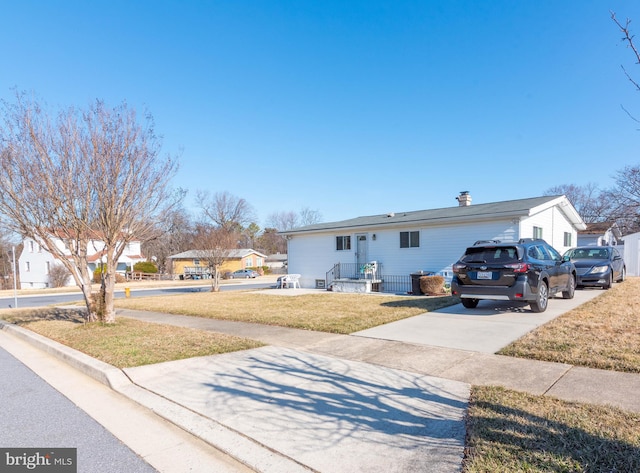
x: 603, y: 333
x: 324, y: 312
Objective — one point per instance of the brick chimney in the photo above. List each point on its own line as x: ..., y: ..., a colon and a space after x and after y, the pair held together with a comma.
x: 464, y: 199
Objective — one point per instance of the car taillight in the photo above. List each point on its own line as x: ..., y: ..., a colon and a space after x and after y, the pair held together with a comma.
x: 458, y: 267
x: 518, y: 267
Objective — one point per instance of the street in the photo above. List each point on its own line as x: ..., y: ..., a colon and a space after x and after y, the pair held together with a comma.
x: 57, y: 299
x: 34, y: 415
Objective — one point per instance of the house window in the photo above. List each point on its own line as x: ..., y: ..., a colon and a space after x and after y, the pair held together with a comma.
x: 248, y: 262
x: 537, y: 232
x: 567, y: 239
x: 31, y: 246
x: 27, y: 266
x: 259, y: 262
x: 196, y: 262
x: 409, y: 239
x: 343, y: 243
x: 47, y: 267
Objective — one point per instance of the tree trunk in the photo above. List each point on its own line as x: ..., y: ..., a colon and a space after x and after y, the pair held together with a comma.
x: 108, y: 283
x: 216, y: 280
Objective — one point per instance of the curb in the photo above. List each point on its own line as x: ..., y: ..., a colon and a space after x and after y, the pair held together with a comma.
x: 246, y: 450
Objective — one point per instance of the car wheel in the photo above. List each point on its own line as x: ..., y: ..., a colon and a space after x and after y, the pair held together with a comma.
x: 608, y: 281
x: 623, y: 274
x: 470, y: 303
x: 571, y: 289
x: 542, y: 298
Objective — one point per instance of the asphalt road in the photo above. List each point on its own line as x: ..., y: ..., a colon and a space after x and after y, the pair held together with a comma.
x: 53, y: 299
x: 35, y: 415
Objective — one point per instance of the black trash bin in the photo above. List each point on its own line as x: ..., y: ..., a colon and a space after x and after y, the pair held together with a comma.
x: 415, y: 281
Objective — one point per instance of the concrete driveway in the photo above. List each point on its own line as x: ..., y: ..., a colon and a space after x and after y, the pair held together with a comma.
x: 486, y: 329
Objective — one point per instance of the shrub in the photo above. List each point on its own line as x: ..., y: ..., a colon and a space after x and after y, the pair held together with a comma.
x: 145, y: 267
x: 59, y: 275
x: 97, y: 279
x: 432, y: 285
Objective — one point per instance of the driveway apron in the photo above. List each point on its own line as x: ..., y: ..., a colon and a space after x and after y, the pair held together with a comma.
x: 329, y: 414
x: 485, y: 329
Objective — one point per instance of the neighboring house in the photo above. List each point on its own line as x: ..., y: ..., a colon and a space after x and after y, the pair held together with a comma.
x: 600, y: 234
x: 277, y: 263
x: 403, y: 243
x: 193, y: 263
x: 35, y: 262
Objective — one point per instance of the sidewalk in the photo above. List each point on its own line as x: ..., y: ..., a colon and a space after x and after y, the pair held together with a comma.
x: 313, y: 401
x: 559, y: 380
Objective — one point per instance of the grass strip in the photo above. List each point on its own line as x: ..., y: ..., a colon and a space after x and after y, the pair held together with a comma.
x: 128, y: 342
x: 509, y: 431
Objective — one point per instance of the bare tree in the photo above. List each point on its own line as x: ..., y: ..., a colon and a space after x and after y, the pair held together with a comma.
x: 287, y: 220
x: 216, y: 248
x: 283, y: 220
x: 174, y: 234
x: 628, y: 38
x: 592, y: 204
x: 7, y: 252
x: 225, y: 210
x: 58, y: 275
x: 309, y: 217
x: 625, y: 197
x: 92, y: 174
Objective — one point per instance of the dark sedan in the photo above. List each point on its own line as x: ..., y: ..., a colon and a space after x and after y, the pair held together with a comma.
x: 597, y: 265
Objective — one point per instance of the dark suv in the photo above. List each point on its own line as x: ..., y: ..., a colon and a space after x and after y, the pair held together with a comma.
x: 527, y: 270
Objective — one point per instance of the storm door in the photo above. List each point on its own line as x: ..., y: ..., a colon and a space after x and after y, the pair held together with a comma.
x: 361, y: 251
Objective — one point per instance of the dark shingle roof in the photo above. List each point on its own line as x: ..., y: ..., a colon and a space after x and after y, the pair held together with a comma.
x: 475, y: 212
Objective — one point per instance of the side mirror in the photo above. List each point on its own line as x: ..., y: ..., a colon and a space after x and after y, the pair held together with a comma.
x: 566, y: 258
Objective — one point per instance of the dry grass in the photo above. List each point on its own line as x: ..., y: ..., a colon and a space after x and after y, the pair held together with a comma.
x: 513, y: 432
x: 128, y: 342
x: 603, y: 333
x: 325, y: 312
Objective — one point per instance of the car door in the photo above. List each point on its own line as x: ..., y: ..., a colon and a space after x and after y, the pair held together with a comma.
x: 617, y: 263
x: 559, y: 271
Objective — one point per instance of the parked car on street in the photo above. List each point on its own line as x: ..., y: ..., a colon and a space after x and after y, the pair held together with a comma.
x: 597, y: 265
x: 528, y: 270
x: 244, y: 273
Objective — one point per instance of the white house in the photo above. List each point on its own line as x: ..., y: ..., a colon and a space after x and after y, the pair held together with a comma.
x: 402, y: 243
x: 600, y: 234
x: 35, y: 262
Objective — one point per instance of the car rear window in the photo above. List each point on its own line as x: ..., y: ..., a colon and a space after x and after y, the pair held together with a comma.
x: 500, y: 254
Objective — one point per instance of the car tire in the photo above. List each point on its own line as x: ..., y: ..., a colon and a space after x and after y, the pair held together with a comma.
x: 609, y: 281
x: 542, y: 298
x: 623, y: 274
x: 470, y: 303
x: 571, y: 289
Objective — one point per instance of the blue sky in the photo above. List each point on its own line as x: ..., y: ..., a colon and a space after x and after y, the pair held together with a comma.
x: 350, y: 108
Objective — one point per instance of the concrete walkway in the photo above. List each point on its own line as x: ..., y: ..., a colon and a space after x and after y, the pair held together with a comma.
x: 536, y: 377
x: 313, y: 401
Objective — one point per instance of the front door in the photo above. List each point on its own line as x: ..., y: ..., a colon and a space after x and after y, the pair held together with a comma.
x: 361, y: 251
